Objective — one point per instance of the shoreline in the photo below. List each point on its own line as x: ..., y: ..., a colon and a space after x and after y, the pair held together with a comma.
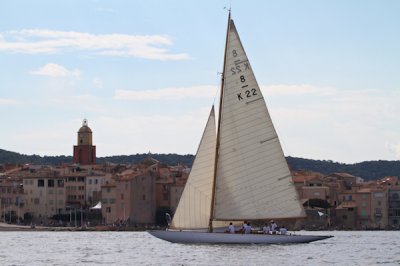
x: 4, y: 227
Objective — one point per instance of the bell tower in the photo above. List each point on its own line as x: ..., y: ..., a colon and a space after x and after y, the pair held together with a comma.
x: 85, y: 151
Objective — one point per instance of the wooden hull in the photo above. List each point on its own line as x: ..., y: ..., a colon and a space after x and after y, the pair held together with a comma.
x: 190, y: 237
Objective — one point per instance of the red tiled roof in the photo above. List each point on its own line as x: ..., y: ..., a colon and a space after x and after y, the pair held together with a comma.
x: 301, y: 178
x: 342, y: 175
x: 346, y: 205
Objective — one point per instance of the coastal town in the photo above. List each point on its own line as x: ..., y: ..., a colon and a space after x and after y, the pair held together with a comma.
x: 84, y: 194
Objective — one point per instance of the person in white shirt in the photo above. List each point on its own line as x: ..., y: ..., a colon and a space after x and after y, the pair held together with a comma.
x: 244, y: 225
x: 273, y: 227
x: 266, y: 229
x: 231, y: 228
x: 247, y: 229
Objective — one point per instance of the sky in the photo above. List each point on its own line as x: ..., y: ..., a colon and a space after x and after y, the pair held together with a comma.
x: 145, y: 74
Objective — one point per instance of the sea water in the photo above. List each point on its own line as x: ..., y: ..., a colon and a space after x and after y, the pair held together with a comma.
x: 140, y: 248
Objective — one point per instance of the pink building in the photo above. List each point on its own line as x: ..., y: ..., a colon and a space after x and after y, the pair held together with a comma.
x: 108, y: 206
x: 11, y: 199
x: 367, y: 206
x: 130, y: 198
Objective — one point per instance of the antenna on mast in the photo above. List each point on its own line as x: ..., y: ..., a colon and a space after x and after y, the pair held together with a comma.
x: 230, y: 6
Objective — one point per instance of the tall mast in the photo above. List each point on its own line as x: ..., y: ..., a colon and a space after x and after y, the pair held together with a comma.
x: 210, y: 227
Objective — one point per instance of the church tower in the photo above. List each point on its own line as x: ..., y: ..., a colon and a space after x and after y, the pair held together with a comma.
x: 85, y: 151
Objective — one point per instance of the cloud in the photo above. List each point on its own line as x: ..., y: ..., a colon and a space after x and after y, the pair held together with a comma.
x: 156, y: 133
x: 98, y: 83
x: 89, y: 104
x: 334, y: 123
x: 56, y: 71
x: 7, y: 101
x: 394, y: 147
x: 209, y: 91
x: 301, y: 89
x: 206, y: 91
x: 43, y: 41
x: 141, y: 133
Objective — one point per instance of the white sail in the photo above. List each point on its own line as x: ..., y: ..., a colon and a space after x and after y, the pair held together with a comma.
x: 194, y: 208
x: 253, y: 180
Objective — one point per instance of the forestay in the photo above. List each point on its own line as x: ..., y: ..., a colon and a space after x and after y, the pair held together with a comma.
x: 253, y: 180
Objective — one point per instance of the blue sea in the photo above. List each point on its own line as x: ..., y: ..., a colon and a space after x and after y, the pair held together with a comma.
x: 140, y: 248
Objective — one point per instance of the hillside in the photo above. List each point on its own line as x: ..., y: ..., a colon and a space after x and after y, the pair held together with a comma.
x: 14, y: 157
x: 369, y: 170
x: 170, y: 159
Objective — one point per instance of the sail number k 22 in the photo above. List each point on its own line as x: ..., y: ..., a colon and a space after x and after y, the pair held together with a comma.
x: 247, y: 93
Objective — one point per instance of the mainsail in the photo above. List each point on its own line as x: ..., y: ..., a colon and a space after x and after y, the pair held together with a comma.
x: 193, y: 211
x: 253, y: 180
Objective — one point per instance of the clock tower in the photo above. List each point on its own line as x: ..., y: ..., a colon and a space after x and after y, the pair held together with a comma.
x: 85, y: 151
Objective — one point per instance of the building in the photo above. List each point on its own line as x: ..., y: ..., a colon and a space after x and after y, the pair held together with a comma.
x: 11, y: 199
x: 85, y: 151
x: 346, y: 215
x: 343, y: 201
x: 394, y: 208
x: 44, y: 194
x: 129, y: 198
x: 140, y: 194
x: 393, y: 186
x: 124, y: 196
x: 108, y: 206
x: 93, y: 185
x: 75, y: 190
x: 143, y: 204
x: 314, y: 195
x: 379, y: 208
x: 365, y: 207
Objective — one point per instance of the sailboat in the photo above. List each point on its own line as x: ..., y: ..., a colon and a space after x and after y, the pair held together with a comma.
x: 239, y: 172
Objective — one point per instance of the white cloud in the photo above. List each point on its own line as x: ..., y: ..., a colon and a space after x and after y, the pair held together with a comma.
x: 116, y: 134
x: 86, y: 103
x: 156, y: 133
x: 56, y: 71
x: 272, y: 90
x: 394, y: 147
x: 36, y: 41
x: 342, y: 125
x: 332, y: 123
x: 98, y: 83
x: 63, y: 137
x: 209, y: 91
x: 316, y: 122
x: 206, y: 91
x: 7, y: 101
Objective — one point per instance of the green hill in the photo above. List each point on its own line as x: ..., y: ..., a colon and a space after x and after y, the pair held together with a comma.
x: 170, y: 159
x: 369, y: 170
x: 14, y: 157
